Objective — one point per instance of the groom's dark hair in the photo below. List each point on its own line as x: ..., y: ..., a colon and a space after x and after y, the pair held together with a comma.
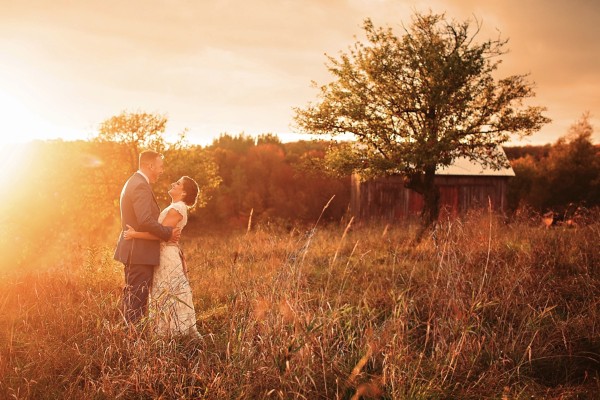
x: 190, y: 187
x: 147, y: 156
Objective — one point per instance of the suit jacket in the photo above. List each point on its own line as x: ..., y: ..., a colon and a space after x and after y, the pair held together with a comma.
x: 140, y: 210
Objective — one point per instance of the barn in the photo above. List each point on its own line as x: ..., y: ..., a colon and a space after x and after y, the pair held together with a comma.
x: 465, y: 185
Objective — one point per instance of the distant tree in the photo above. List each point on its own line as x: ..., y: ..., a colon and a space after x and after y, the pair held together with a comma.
x: 239, y: 144
x: 267, y: 138
x: 308, y: 155
x: 415, y: 103
x: 568, y: 175
x: 273, y: 180
x: 138, y: 131
x: 536, y: 151
x: 573, y: 167
x: 528, y: 186
x: 193, y: 161
x: 238, y: 191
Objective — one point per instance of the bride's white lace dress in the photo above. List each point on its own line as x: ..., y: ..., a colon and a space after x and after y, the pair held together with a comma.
x: 171, y: 306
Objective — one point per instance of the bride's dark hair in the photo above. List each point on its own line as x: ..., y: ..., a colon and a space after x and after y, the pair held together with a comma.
x: 191, y: 189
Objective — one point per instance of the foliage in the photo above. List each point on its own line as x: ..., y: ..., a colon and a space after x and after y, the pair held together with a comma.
x: 526, y: 186
x: 569, y: 174
x: 272, y: 181
x: 193, y: 161
x: 537, y: 152
x: 573, y: 167
x: 477, y: 310
x: 238, y: 144
x: 415, y: 103
x: 137, y: 131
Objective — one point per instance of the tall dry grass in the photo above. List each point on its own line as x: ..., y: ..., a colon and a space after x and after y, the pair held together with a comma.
x: 478, y: 309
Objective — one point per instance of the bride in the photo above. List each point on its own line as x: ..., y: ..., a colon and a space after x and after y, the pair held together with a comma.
x: 170, y: 305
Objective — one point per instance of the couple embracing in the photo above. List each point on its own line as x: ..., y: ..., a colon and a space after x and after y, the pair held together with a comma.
x: 156, y: 282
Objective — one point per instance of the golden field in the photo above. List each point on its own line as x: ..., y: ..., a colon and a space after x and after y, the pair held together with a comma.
x: 478, y: 309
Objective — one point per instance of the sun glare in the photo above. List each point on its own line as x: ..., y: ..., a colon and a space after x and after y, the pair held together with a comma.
x: 18, y: 127
x: 20, y: 123
x: 11, y: 159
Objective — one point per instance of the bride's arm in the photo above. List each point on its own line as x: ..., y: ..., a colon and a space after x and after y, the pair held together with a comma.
x: 171, y: 219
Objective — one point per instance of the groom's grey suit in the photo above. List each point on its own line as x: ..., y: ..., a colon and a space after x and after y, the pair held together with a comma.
x: 140, y: 210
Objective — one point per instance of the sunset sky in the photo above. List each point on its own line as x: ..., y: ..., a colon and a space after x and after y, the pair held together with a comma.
x: 232, y: 66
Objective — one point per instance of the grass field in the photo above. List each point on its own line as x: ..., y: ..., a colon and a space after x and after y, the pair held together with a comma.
x: 479, y: 309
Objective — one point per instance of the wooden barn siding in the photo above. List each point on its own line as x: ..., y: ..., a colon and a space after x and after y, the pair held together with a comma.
x: 388, y: 199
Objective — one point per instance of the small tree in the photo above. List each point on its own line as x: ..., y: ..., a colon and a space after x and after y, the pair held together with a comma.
x: 138, y: 131
x: 417, y: 102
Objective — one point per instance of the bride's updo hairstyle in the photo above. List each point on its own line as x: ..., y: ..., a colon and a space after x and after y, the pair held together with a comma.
x: 190, y: 187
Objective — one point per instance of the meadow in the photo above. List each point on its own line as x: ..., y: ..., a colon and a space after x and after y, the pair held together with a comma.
x: 477, y: 309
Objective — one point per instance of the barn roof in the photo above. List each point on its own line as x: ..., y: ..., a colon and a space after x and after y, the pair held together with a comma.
x: 464, y: 166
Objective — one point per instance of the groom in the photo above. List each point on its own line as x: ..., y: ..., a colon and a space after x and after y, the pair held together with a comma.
x: 140, y: 210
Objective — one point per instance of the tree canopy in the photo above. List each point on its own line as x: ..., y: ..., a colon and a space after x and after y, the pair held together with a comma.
x: 417, y: 102
x: 138, y: 131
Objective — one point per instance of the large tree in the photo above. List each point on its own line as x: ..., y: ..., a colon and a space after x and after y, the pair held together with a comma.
x: 415, y: 103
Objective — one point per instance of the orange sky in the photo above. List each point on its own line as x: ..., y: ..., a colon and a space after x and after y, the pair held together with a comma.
x: 232, y: 66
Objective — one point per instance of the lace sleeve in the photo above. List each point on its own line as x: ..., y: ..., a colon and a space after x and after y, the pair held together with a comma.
x: 181, y: 209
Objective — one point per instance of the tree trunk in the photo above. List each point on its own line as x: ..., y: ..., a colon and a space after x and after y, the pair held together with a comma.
x: 431, y: 200
x: 424, y: 184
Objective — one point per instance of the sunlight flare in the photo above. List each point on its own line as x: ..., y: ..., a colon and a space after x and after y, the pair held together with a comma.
x: 12, y: 156
x: 20, y: 122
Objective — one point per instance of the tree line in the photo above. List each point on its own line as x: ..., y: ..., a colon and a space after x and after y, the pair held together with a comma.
x: 563, y: 177
x: 71, y: 190
x: 65, y: 194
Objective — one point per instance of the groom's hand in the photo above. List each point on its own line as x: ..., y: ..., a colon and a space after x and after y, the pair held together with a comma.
x: 175, y: 235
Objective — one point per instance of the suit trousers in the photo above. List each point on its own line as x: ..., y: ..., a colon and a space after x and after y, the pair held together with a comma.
x: 138, y: 279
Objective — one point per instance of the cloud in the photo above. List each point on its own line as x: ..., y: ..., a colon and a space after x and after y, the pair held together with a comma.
x: 226, y: 65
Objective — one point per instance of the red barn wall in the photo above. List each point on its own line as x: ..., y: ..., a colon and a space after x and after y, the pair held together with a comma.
x: 388, y: 199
